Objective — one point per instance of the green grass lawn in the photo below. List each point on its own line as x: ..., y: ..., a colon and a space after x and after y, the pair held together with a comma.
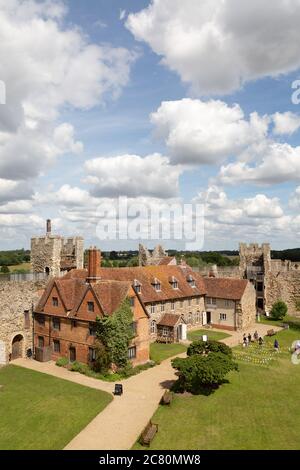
x: 257, y: 409
x: 160, y: 351
x: 39, y: 411
x: 214, y: 335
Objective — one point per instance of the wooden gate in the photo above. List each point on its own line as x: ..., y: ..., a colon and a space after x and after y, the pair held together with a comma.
x: 17, y: 346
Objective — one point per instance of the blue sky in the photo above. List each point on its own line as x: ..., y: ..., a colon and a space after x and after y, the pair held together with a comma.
x: 87, y: 94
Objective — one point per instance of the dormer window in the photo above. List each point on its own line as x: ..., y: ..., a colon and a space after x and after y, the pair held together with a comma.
x: 191, y: 281
x: 156, y: 284
x: 137, y: 286
x: 174, y: 282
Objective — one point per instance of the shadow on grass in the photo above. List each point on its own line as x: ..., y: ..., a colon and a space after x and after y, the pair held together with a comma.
x: 205, y: 390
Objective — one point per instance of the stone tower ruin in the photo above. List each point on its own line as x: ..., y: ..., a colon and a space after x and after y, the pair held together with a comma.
x: 54, y: 254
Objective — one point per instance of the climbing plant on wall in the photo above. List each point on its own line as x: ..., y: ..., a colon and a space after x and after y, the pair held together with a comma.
x: 115, y: 333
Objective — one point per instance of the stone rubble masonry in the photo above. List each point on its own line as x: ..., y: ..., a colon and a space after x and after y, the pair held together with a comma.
x: 51, y: 252
x: 281, y: 278
x: 148, y: 259
x: 15, y: 299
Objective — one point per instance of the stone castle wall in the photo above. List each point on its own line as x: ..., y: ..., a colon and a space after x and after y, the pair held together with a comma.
x: 15, y: 299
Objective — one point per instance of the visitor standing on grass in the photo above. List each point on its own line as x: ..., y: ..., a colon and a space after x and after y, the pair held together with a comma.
x: 255, y: 336
x: 276, y: 345
x: 249, y: 338
x: 260, y: 341
x: 244, y: 342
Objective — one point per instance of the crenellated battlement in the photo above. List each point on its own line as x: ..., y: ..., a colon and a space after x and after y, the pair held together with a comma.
x: 53, y: 254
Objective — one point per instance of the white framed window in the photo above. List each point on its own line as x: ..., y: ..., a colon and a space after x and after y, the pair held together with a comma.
x: 153, y: 327
x: 162, y: 307
x: 227, y: 303
x: 223, y: 316
x: 211, y: 301
x: 138, y: 288
x: 197, y: 316
x: 190, y: 317
x: 157, y: 287
x: 152, y: 308
x: 165, y: 331
x: 172, y: 305
x: 132, y: 352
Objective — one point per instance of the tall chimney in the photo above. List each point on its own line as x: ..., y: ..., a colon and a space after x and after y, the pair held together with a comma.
x: 48, y: 229
x: 94, y: 264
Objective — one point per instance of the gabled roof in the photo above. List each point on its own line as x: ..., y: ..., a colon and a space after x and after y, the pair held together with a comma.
x: 145, y: 275
x: 72, y: 291
x: 170, y: 319
x: 225, y: 288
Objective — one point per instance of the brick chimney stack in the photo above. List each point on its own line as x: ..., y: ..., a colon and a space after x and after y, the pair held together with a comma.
x: 48, y: 227
x: 94, y: 264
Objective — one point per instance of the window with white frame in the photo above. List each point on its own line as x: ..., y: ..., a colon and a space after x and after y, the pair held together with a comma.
x: 162, y: 307
x: 197, y: 316
x: 152, y: 308
x: 190, y: 318
x: 137, y: 287
x: 132, y: 352
x: 227, y: 303
x: 165, y: 331
x: 211, y: 301
x: 153, y: 327
x: 223, y: 316
x: 172, y: 305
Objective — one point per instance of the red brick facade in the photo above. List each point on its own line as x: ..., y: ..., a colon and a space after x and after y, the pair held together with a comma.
x: 65, y: 317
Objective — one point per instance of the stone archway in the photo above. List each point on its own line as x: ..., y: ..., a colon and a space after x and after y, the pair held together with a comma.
x: 17, y: 347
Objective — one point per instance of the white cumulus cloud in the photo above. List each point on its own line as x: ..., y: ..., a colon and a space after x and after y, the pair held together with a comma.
x: 217, y: 45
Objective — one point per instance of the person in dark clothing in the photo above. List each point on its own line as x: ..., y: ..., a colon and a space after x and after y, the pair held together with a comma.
x: 276, y: 345
x: 260, y: 341
x: 249, y: 338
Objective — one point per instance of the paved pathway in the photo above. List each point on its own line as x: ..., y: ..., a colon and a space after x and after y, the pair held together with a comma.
x: 122, y: 421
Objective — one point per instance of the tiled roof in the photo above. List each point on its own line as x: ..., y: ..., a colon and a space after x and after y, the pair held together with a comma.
x: 109, y: 294
x: 145, y: 275
x: 225, y: 288
x: 166, y: 260
x: 169, y: 319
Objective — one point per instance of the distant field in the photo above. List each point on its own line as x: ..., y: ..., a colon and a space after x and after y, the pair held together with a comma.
x: 23, y: 266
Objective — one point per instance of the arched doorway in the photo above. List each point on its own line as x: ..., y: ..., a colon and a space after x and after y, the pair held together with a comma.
x: 17, y: 347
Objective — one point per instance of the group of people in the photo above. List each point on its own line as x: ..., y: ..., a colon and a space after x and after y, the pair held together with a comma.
x: 257, y: 339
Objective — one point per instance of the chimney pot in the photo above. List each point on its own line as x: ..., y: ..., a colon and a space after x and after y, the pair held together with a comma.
x: 48, y: 227
x: 94, y: 264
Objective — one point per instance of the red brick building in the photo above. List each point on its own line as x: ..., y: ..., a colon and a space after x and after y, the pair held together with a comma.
x: 65, y: 316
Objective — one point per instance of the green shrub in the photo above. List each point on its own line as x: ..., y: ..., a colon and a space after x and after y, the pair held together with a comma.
x: 279, y: 310
x: 202, y: 373
x: 205, y: 347
x: 103, y: 359
x: 62, y: 362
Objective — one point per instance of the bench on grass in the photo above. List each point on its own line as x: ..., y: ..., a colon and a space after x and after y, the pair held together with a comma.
x: 166, y: 398
x: 148, y: 434
x: 271, y: 333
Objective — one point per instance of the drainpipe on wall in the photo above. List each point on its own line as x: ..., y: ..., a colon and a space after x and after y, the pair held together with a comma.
x: 33, y: 346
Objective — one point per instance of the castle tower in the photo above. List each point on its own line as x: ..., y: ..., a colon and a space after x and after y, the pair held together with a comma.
x: 53, y: 254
